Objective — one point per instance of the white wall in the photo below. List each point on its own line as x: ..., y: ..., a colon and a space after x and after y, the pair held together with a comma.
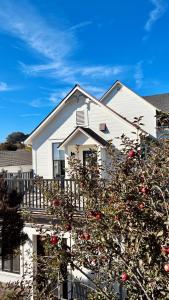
x: 130, y: 105
x: 65, y: 122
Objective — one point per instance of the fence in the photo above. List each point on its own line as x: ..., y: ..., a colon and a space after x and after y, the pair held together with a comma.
x: 38, y: 193
x: 19, y: 174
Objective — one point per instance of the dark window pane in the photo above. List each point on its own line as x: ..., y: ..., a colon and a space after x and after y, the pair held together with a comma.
x: 58, y: 168
x: 16, y: 263
x: 6, y: 264
x: 11, y: 263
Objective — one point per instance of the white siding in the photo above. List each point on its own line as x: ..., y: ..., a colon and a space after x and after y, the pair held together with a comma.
x: 130, y: 105
x: 65, y: 122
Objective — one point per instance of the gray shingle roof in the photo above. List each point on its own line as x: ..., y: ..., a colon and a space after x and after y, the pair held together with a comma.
x: 160, y: 101
x: 15, y: 158
x: 90, y: 132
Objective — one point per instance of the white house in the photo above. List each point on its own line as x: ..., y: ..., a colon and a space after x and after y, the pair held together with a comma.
x: 81, y: 119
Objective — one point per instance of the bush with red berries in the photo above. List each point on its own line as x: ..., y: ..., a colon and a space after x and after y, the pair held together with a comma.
x: 123, y: 233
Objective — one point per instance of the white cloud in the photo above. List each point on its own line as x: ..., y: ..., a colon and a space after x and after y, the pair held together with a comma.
x: 4, y: 87
x: 74, y: 73
x: 57, y: 46
x: 58, y: 95
x: 80, y: 25
x: 94, y: 90
x: 139, y: 76
x: 21, y: 20
x: 156, y: 13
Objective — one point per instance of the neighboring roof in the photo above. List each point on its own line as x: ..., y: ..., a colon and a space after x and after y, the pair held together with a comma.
x: 15, y: 158
x: 160, y: 101
x: 87, y: 131
x: 56, y: 109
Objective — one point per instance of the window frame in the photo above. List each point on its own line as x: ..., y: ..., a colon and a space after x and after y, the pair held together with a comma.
x: 10, y: 258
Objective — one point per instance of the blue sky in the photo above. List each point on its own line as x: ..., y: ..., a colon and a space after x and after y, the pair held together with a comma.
x: 47, y: 46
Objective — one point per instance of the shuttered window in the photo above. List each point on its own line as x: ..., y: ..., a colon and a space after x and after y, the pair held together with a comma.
x: 80, y: 117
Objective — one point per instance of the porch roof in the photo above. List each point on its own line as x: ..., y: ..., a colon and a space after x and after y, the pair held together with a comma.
x: 86, y: 131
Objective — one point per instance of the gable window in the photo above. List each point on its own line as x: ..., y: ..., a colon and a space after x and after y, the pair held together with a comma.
x: 11, y: 263
x: 80, y: 117
x: 58, y: 161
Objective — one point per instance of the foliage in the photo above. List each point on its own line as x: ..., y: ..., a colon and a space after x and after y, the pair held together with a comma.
x: 123, y: 233
x: 16, y: 137
x: 12, y: 291
x: 8, y: 147
x: 11, y: 220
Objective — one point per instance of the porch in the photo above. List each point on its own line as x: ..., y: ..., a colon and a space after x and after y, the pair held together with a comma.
x: 34, y: 192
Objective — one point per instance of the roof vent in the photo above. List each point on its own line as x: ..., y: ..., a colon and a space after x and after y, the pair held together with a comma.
x: 80, y: 117
x: 102, y: 126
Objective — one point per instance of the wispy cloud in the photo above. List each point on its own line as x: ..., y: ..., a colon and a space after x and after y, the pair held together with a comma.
x: 36, y: 103
x: 71, y: 74
x: 80, y: 25
x: 156, y: 13
x: 139, y: 76
x: 57, y: 45
x: 21, y: 20
x: 94, y: 90
x: 29, y: 115
x: 59, y: 94
x: 4, y: 87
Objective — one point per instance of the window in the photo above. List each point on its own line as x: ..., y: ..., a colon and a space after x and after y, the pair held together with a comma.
x: 58, y: 161
x: 11, y: 263
x: 89, y: 156
x: 80, y: 117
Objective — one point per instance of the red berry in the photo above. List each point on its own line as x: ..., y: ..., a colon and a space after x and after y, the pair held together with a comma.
x: 68, y: 227
x: 141, y: 205
x: 124, y: 277
x: 56, y: 202
x: 54, y: 239
x: 131, y: 153
x: 145, y: 190
x: 98, y: 215
x: 165, y: 249
x: 93, y: 213
x: 166, y: 267
x: 85, y: 236
x: 116, y: 218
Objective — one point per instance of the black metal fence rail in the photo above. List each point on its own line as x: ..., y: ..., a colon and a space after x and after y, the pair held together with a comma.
x: 38, y: 194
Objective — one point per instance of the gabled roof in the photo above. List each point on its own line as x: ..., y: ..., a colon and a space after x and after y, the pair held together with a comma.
x: 120, y: 84
x: 15, y: 158
x: 160, y: 101
x: 61, y: 104
x: 88, y: 132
